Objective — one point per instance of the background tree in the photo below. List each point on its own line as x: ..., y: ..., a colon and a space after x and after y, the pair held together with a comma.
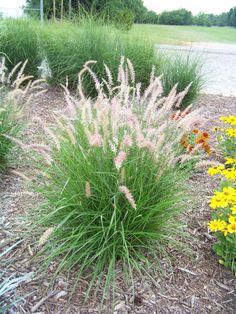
x: 176, y: 17
x: 108, y: 7
x: 232, y: 17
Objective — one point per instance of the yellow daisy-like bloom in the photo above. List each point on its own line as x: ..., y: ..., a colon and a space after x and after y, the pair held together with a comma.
x: 232, y: 228
x: 230, y: 161
x: 231, y: 132
x: 225, y: 230
x: 233, y: 210
x: 229, y: 194
x: 216, y: 225
x: 232, y: 219
x: 216, y: 129
x: 215, y: 170
x: 230, y: 119
x: 229, y: 173
x: 218, y: 202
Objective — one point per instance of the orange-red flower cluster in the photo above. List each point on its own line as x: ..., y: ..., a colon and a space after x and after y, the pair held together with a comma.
x: 201, y: 138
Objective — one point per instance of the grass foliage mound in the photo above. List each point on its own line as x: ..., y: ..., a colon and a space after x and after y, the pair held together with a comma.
x: 112, y: 178
x: 15, y: 89
x: 183, y: 70
x: 19, y: 42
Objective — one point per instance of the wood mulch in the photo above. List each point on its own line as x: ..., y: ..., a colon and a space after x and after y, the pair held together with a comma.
x: 197, y: 284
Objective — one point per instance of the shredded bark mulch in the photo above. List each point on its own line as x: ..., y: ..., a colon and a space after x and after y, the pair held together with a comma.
x: 196, y: 284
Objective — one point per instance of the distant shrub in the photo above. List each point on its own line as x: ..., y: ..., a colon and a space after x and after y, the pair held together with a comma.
x: 183, y: 70
x: 124, y: 19
x: 112, y: 178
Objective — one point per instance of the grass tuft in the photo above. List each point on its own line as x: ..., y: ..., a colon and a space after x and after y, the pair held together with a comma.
x: 183, y: 70
x: 19, y: 42
x: 112, y: 180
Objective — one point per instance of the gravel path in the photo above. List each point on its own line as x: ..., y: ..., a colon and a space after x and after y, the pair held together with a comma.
x: 198, y: 284
x: 219, y: 64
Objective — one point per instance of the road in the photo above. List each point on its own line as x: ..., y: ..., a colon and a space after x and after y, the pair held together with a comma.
x: 219, y: 67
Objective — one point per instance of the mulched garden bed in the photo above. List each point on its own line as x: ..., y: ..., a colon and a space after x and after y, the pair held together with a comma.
x: 196, y: 284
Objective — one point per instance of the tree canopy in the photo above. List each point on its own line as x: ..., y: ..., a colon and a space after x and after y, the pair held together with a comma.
x: 136, y: 10
x: 109, y: 7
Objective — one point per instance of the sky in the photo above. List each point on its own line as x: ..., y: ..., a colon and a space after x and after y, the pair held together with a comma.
x: 196, y: 6
x: 12, y: 7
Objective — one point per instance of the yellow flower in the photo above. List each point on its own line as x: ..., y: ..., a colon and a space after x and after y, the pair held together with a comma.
x: 215, y: 170
x: 231, y: 132
x: 223, y: 118
x: 232, y: 228
x: 229, y: 173
x: 232, y: 219
x: 229, y: 194
x: 217, y: 202
x: 225, y: 230
x: 230, y: 161
x: 233, y: 210
x: 216, y: 225
x: 216, y: 129
x: 230, y: 119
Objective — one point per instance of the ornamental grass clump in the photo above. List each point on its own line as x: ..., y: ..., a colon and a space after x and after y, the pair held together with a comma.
x: 19, y: 42
x: 12, y: 98
x: 183, y: 70
x: 67, y: 46
x: 112, y: 178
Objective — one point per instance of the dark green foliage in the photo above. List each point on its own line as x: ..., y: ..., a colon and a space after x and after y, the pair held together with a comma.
x: 176, y: 17
x: 151, y: 17
x: 107, y: 7
x: 232, y: 17
x: 124, y: 19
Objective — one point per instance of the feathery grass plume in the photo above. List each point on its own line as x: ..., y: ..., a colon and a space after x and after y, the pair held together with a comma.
x: 87, y: 189
x: 21, y: 175
x: 119, y: 159
x: 48, y: 131
x: 123, y: 189
x: 127, y: 141
x: 122, y: 176
x: 15, y: 89
x: 45, y: 236
x: 95, y: 140
x: 127, y: 149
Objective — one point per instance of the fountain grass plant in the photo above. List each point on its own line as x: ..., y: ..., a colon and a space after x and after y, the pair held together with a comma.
x: 13, y: 97
x: 183, y: 70
x: 68, y: 46
x: 112, y: 179
x: 19, y: 42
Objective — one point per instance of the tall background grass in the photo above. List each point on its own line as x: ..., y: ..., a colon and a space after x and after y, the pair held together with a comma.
x: 68, y: 45
x: 19, y: 42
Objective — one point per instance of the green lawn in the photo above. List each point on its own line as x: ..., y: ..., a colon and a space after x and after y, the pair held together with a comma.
x: 168, y: 34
